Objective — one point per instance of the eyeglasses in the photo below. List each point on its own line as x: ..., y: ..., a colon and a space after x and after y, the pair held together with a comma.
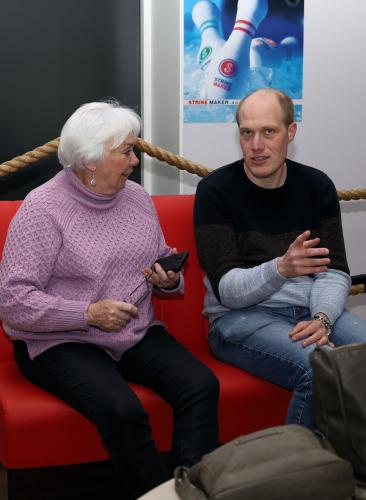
x: 139, y: 292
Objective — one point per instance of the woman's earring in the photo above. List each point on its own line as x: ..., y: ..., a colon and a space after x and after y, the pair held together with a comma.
x: 93, y: 180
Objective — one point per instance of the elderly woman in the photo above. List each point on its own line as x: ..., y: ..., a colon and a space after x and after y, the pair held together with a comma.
x: 76, y: 281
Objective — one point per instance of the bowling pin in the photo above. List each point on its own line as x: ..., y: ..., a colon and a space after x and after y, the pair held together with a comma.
x: 264, y: 52
x: 206, y: 17
x: 291, y: 48
x: 227, y: 73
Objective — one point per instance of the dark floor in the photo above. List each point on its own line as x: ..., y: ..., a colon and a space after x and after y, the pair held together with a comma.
x: 92, y: 481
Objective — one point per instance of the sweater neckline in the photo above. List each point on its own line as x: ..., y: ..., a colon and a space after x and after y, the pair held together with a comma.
x: 88, y: 197
x: 260, y: 189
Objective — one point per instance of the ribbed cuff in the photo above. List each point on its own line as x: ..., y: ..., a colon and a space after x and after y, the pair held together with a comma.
x: 70, y: 315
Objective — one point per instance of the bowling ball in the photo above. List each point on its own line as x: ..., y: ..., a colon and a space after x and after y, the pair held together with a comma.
x: 293, y: 3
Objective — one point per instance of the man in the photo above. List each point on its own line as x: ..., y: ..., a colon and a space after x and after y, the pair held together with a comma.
x: 269, y: 236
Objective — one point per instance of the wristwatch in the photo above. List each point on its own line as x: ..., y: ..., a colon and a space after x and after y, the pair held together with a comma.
x: 324, y: 320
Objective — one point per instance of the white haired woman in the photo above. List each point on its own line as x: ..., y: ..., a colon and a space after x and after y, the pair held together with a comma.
x: 75, y: 298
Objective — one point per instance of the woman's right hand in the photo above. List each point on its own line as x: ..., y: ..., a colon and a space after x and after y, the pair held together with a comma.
x: 110, y: 315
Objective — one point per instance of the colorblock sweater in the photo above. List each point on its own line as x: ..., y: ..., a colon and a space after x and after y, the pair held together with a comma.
x: 68, y: 247
x: 241, y: 229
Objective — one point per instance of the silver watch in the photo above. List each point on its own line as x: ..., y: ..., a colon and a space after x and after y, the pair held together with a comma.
x: 324, y: 320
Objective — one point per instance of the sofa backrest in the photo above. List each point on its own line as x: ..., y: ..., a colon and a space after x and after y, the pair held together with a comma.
x: 7, y: 212
x: 182, y: 315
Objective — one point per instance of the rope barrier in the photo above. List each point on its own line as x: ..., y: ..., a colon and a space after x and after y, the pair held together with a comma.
x: 356, y: 289
x: 180, y: 162
x: 33, y: 156
x: 172, y: 159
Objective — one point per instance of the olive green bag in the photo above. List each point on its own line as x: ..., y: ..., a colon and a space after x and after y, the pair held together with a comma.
x: 280, y: 463
x: 340, y: 401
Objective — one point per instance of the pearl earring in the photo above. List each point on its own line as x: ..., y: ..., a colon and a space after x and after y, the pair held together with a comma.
x: 93, y: 180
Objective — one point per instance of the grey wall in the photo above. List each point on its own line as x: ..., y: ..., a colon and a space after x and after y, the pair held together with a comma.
x: 55, y: 56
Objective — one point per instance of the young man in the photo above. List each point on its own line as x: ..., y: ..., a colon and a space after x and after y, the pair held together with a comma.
x: 269, y: 237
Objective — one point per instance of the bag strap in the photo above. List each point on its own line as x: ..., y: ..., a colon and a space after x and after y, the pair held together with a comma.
x: 184, y: 488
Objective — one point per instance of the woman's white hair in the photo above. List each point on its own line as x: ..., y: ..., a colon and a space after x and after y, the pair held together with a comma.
x: 94, y: 129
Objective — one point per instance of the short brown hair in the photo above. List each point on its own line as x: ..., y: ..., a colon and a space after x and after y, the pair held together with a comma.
x: 284, y: 100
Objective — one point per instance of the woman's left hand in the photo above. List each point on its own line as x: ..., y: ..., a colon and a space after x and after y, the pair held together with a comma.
x: 159, y: 278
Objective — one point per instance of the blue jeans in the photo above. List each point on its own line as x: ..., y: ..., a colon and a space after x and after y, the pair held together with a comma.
x: 256, y: 339
x: 93, y: 383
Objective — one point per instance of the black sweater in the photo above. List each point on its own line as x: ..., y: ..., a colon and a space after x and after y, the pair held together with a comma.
x: 241, y: 225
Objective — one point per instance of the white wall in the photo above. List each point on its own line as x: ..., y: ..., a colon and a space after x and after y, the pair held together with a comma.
x: 161, y: 96
x: 332, y: 134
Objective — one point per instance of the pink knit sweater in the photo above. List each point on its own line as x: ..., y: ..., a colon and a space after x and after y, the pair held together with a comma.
x: 68, y: 247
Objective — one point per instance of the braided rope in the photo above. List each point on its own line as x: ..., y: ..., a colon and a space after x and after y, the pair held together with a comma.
x: 180, y: 162
x: 172, y: 159
x: 352, y: 194
x: 33, y: 156
x: 355, y: 289
x: 51, y: 147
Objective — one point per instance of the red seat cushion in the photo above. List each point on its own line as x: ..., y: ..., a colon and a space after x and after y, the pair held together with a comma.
x: 247, y: 403
x: 38, y: 429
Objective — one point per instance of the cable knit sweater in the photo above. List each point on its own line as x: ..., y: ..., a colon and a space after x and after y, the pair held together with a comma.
x: 68, y: 247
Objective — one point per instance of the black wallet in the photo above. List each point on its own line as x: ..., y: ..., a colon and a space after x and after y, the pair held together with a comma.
x: 173, y: 262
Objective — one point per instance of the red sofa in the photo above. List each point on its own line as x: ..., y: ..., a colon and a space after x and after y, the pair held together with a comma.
x: 38, y: 430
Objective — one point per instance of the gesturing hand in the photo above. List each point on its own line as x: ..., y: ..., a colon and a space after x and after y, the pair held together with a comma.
x: 110, y: 315
x: 303, y: 258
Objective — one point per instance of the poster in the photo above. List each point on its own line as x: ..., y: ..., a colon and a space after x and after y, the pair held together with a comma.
x: 232, y: 47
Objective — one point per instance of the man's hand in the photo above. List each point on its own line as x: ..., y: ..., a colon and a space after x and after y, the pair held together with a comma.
x: 303, y: 258
x: 110, y: 315
x: 310, y: 332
